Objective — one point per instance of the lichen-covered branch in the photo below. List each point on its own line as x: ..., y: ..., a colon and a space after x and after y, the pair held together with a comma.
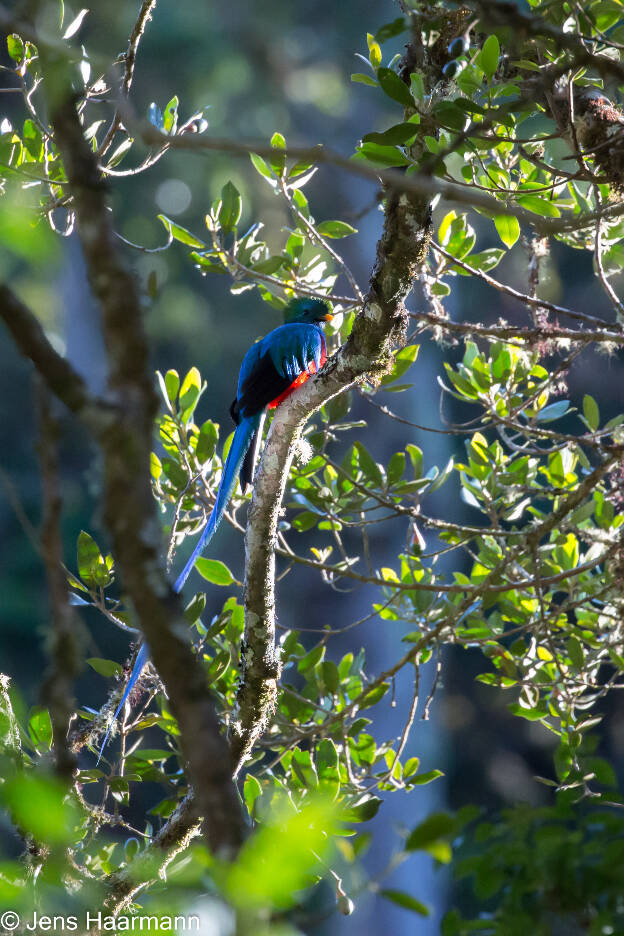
x: 382, y: 321
x: 151, y: 864
x: 10, y: 744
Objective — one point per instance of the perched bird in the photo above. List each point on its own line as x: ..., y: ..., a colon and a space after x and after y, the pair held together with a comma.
x: 272, y: 368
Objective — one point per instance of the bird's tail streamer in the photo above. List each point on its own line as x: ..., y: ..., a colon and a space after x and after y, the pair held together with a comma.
x: 245, y: 432
x: 137, y: 669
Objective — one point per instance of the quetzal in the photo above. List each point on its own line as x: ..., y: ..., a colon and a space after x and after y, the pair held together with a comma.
x: 272, y: 368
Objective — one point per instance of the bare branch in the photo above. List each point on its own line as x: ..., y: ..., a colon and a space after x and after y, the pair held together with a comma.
x: 514, y: 293
x: 31, y: 340
x: 517, y: 336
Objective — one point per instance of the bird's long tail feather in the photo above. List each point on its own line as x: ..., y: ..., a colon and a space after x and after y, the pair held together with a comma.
x: 137, y: 669
x: 245, y: 432
x: 248, y: 467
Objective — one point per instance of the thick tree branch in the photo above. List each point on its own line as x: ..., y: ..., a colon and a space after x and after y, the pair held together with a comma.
x: 129, y: 509
x: 126, y: 441
x: 401, y: 251
x: 416, y: 184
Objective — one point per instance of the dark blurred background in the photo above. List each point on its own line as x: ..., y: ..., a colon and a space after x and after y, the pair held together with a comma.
x: 259, y: 68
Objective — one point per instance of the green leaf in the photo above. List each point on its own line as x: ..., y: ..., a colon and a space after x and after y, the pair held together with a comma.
x: 603, y: 770
x: 207, y: 441
x: 445, y: 226
x: 269, y: 266
x: 436, y: 826
x: 172, y: 385
x: 389, y: 30
x: 231, y: 207
x: 368, y: 465
x: 387, y: 156
x: 279, y: 859
x: 304, y: 521
x: 335, y: 229
x: 179, y: 233
x: 489, y: 56
x: 33, y: 139
x: 261, y: 167
x: 363, y: 810
x: 311, y: 658
x: 443, y: 476
x: 406, y: 901
x: 151, y: 755
x: 195, y: 608
x: 361, y: 78
x: 170, y: 116
x: 107, y: 668
x: 189, y: 393
x: 15, y: 47
x: 92, y: 566
x: 374, y: 51
x: 484, y: 261
x: 327, y: 767
x: 374, y: 696
x: 575, y: 652
x: 411, y: 767
x: 251, y: 791
x: 403, y: 360
x: 424, y: 778
x: 396, y: 467
x: 399, y: 134
x: 278, y: 161
x: 508, y: 229
x: 418, y: 86
x: 304, y: 769
x: 553, y: 411
x: 215, y: 571
x: 120, y: 152
x: 538, y: 205
x: 39, y: 804
x: 416, y: 458
x: 591, y: 412
x: 459, y: 237
x: 328, y: 675
x: 392, y: 85
x: 451, y: 924
x: 40, y: 728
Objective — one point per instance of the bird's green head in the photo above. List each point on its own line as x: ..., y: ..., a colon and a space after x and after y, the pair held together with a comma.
x: 307, y: 310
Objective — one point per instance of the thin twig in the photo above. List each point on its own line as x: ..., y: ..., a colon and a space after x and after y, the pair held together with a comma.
x: 147, y: 6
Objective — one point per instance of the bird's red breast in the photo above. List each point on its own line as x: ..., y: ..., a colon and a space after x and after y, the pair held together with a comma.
x: 298, y: 381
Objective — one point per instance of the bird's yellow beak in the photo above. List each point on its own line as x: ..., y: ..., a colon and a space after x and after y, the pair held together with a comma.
x: 328, y: 317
